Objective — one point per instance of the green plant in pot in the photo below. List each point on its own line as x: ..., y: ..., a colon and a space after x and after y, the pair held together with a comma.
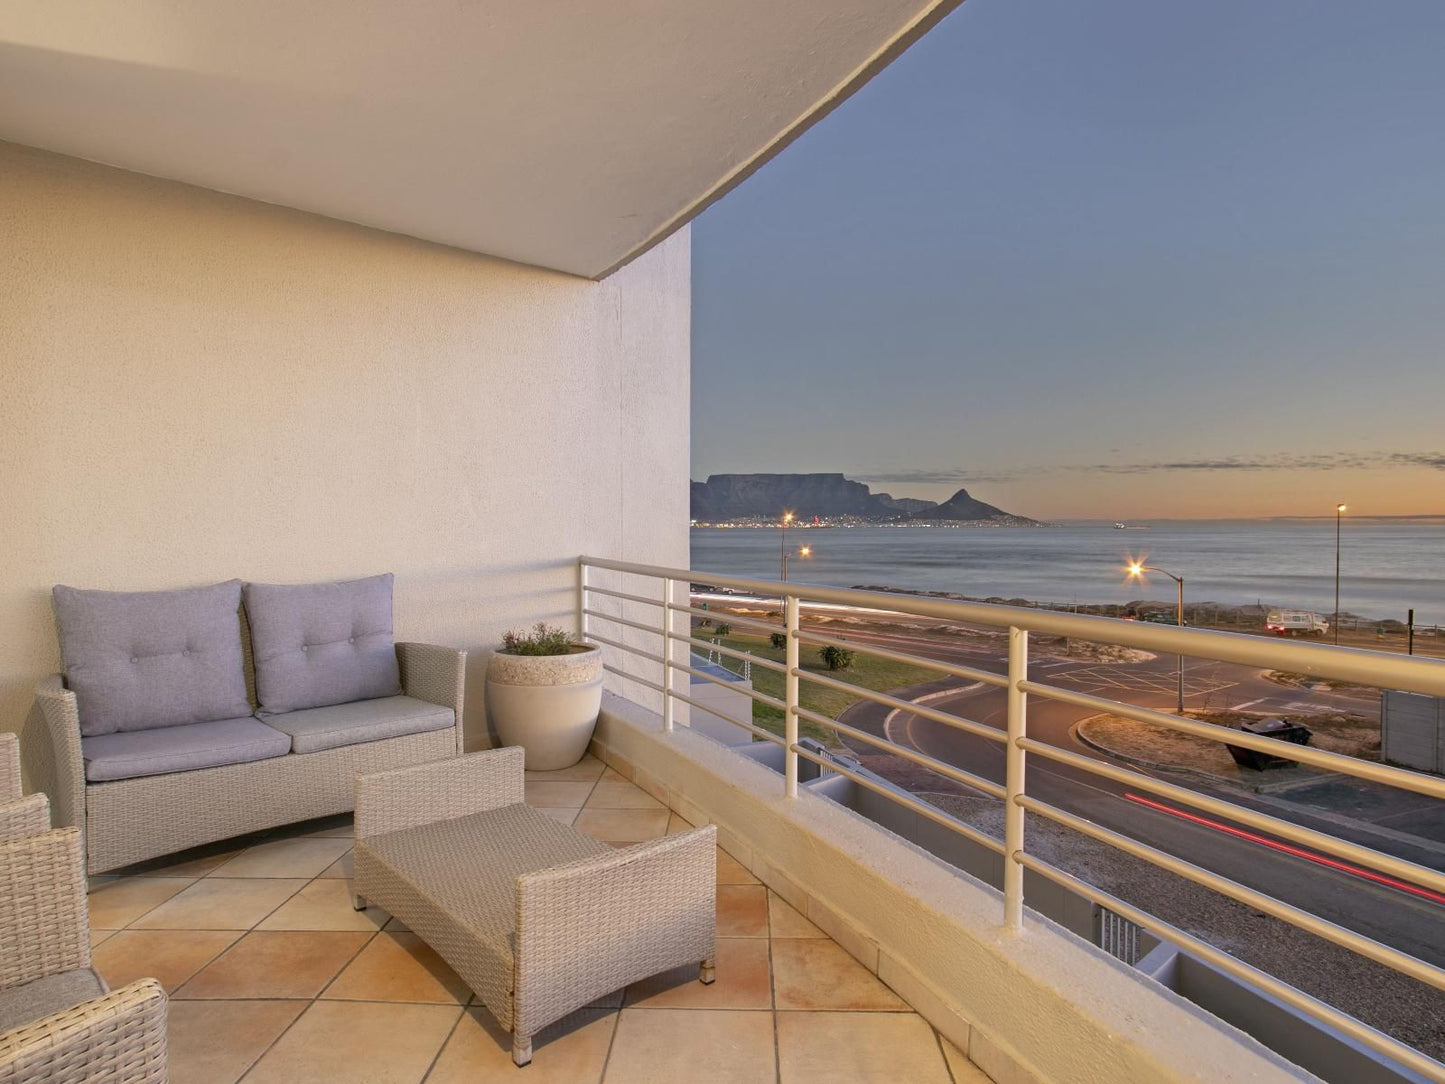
x: 544, y: 691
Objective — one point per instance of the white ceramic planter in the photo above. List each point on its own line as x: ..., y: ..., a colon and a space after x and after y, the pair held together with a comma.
x: 547, y: 704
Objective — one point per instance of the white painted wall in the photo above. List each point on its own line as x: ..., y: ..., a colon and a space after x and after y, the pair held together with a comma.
x: 196, y: 386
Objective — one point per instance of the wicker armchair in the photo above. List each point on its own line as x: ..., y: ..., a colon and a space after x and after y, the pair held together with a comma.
x: 19, y: 817
x: 58, y: 1021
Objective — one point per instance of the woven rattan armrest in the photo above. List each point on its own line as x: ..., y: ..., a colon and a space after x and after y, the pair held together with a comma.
x: 435, y: 674
x: 44, y: 928
x: 9, y: 767
x: 119, y: 1038
x: 23, y: 817
x: 50, y: 751
x: 439, y: 791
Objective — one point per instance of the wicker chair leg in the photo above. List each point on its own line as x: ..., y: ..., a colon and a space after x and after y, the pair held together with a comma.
x: 358, y: 901
x: 521, y: 1049
x: 707, y: 974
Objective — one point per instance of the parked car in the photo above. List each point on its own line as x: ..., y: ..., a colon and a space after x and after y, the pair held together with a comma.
x: 1296, y: 623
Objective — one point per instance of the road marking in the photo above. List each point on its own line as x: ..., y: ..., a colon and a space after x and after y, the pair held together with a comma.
x: 1286, y: 848
x: 1249, y: 704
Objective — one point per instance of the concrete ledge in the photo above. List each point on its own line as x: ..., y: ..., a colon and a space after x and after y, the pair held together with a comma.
x: 1038, y: 1006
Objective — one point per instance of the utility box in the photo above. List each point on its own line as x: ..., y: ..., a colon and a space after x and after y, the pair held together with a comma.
x: 1280, y: 729
x: 1412, y: 731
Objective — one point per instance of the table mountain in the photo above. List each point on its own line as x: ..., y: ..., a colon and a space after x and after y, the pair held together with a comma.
x: 725, y: 497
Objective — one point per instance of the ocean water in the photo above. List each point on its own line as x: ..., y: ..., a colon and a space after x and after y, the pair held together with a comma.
x: 1385, y: 568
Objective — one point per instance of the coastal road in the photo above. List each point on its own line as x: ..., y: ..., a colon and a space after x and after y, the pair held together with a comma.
x: 1389, y: 915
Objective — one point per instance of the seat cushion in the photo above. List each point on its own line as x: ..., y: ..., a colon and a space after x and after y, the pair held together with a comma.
x: 134, y: 753
x: 315, y: 729
x: 322, y: 643
x: 137, y: 660
x: 54, y: 993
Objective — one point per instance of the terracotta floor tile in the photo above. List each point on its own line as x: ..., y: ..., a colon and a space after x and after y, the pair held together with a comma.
x: 276, y: 964
x: 114, y: 905
x: 399, y: 967
x: 171, y: 956
x: 862, y: 1048
x: 784, y: 920
x: 216, y: 903
x: 623, y: 825
x: 589, y: 768
x: 963, y: 1070
x: 742, y: 911
x: 566, y: 816
x: 732, y: 872
x: 285, y: 858
x: 197, y: 866
x: 744, y: 981
x: 345, y: 1042
x: 676, y: 825
x: 569, y: 795
x: 341, y: 869
x: 214, y: 1042
x: 324, y: 904
x: 571, y: 1051
x: 612, y: 775
x: 613, y: 794
x: 666, y: 1046
x: 99, y: 937
x: 819, y: 975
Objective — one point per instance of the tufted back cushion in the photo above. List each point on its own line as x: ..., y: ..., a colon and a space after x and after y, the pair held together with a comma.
x: 142, y: 659
x: 317, y: 644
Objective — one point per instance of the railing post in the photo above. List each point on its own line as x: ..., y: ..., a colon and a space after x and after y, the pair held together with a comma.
x: 667, y: 705
x: 1013, y: 830
x: 790, y: 698
x: 582, y: 599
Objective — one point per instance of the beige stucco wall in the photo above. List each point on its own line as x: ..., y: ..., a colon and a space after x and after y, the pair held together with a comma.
x: 195, y: 386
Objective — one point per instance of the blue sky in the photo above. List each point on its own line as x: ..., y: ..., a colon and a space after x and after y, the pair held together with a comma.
x: 1118, y: 259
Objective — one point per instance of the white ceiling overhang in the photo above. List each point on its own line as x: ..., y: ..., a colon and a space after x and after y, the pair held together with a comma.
x: 559, y: 133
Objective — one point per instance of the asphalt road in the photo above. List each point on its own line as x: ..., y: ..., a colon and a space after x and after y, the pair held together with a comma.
x: 1388, y: 915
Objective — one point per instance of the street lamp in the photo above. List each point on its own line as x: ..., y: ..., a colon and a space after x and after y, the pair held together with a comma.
x: 783, y: 548
x: 1136, y: 572
x: 803, y: 552
x: 1339, y: 514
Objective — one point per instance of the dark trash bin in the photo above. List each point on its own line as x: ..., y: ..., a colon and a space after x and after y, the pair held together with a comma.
x: 1280, y: 729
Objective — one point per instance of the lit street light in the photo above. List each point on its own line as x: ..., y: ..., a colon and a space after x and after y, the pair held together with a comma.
x: 783, y: 549
x: 1136, y: 572
x: 803, y: 552
x: 1339, y: 513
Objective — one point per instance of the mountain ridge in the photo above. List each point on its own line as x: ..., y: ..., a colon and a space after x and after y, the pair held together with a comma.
x: 729, y: 497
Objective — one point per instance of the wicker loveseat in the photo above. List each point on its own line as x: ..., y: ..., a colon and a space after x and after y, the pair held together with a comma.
x: 294, y: 758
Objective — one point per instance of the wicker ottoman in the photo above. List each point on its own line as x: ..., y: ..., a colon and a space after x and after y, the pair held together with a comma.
x: 536, y: 917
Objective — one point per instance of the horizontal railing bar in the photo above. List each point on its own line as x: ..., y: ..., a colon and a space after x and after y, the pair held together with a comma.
x: 921, y: 710
x: 729, y: 619
x: 638, y: 625
x: 761, y: 698
x: 1364, y: 946
x: 653, y: 685
x: 923, y: 809
x: 731, y: 652
x: 766, y: 735
x: 1411, y: 673
x: 1335, y: 762
x: 650, y: 656
x: 1311, y: 1006
x: 593, y: 589
x: 973, y: 674
x: 923, y: 760
x: 1340, y: 848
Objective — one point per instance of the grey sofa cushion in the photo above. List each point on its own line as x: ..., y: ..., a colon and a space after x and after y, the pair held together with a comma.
x: 41, y: 997
x: 322, y: 643
x: 315, y: 729
x: 142, y: 659
x: 135, y: 753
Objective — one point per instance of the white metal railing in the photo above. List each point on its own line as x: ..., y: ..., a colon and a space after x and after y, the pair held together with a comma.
x: 1406, y: 673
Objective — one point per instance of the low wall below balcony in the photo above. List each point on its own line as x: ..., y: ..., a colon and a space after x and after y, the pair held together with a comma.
x: 1036, y: 1006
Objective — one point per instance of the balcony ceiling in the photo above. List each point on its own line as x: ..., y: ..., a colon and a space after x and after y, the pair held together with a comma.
x: 568, y: 134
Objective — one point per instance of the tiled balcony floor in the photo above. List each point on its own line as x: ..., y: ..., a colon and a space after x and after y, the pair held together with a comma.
x: 274, y: 978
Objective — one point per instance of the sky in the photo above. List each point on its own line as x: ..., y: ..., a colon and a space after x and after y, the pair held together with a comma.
x: 1116, y: 260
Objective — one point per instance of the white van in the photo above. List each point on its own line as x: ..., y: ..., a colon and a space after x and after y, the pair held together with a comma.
x: 1296, y: 623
